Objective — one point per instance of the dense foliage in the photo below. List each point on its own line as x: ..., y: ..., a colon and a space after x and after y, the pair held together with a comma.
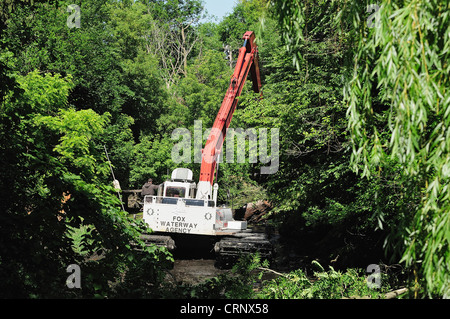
x: 361, y: 109
x: 396, y: 95
x: 402, y: 130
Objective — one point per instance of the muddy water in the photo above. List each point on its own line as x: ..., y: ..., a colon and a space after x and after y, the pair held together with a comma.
x: 194, y: 271
x: 195, y: 259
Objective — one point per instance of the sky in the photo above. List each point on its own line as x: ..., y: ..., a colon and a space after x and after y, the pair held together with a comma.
x: 219, y: 8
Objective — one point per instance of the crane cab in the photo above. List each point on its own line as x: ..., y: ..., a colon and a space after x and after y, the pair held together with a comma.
x: 180, y: 185
x: 177, y: 210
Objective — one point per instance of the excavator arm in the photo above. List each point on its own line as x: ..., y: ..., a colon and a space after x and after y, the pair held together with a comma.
x: 247, y: 62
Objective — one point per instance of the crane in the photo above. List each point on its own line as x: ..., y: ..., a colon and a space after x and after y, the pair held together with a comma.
x: 183, y: 208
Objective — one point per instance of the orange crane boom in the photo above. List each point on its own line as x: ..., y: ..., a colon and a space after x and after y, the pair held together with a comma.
x: 247, y: 62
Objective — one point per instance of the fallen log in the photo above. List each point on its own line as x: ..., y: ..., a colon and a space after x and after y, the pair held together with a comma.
x: 390, y: 295
x: 395, y: 293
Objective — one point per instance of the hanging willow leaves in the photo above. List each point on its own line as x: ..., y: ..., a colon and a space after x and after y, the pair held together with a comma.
x: 405, y: 59
x: 398, y: 99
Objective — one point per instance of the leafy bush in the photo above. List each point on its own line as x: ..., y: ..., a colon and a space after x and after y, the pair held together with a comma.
x: 245, y: 281
x: 329, y: 284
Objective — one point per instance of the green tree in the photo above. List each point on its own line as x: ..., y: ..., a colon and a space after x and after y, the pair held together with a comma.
x: 152, y: 158
x: 314, y: 192
x: 146, y: 98
x: 396, y: 94
x: 246, y: 16
x: 38, y: 37
x: 203, y: 89
x: 54, y: 177
x: 398, y: 116
x: 172, y: 34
